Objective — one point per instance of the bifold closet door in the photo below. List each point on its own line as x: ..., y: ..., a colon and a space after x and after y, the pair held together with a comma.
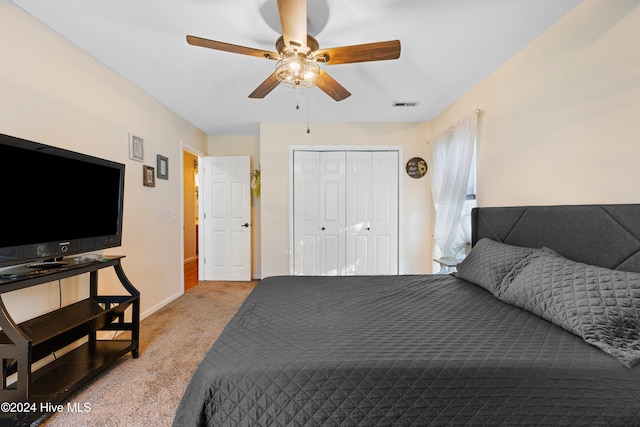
x: 372, y: 212
x: 319, y: 212
x: 345, y: 212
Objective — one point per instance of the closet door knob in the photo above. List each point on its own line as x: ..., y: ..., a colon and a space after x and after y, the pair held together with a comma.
x: 322, y: 228
x: 246, y: 224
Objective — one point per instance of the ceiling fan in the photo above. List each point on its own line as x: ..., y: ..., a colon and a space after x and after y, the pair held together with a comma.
x: 298, y: 54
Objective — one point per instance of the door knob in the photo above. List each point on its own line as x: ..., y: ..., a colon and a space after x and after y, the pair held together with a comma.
x: 322, y: 228
x: 246, y: 224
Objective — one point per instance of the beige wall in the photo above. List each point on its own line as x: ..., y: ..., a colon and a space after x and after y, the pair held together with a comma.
x: 244, y: 146
x: 275, y: 140
x: 54, y: 93
x: 560, y: 122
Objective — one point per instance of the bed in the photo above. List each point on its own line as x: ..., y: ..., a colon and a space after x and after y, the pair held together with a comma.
x: 539, y: 326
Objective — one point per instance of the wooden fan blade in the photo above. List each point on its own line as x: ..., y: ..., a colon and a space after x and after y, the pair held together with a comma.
x: 331, y: 87
x: 265, y: 87
x: 228, y: 47
x: 293, y: 19
x: 379, y: 51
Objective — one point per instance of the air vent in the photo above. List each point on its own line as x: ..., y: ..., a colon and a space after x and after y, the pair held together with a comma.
x: 405, y: 104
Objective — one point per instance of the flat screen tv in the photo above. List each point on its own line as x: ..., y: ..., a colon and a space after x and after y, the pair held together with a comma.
x: 56, y: 202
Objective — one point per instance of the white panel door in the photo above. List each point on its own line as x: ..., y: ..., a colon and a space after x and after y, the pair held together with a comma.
x: 227, y: 213
x: 319, y: 212
x: 372, y: 212
x: 332, y: 213
x: 384, y: 213
x: 358, y: 199
x: 306, y: 212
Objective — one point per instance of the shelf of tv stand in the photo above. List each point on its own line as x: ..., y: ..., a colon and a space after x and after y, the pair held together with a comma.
x: 27, y: 342
x: 53, y: 382
x: 32, y: 277
x: 66, y: 325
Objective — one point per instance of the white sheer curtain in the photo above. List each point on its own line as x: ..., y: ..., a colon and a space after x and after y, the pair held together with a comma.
x: 451, y: 156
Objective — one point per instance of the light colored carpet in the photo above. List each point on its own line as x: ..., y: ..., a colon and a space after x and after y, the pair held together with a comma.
x: 146, y: 391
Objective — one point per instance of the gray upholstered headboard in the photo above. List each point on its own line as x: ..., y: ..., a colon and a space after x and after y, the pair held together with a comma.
x: 603, y: 235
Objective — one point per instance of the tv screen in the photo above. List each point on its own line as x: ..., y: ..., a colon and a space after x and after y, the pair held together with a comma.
x: 56, y: 202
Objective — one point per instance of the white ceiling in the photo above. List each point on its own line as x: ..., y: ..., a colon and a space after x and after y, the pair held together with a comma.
x: 448, y: 46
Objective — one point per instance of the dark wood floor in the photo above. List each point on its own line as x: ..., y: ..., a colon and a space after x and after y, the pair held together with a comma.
x: 190, y: 274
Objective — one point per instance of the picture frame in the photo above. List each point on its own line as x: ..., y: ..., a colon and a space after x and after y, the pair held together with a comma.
x: 136, y: 148
x: 148, y: 176
x: 163, y: 167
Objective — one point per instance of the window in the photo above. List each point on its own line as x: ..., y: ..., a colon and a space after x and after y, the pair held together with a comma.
x: 453, y: 183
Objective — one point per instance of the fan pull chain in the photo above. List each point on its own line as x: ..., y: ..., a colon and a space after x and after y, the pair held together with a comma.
x: 297, y: 97
x: 308, y: 110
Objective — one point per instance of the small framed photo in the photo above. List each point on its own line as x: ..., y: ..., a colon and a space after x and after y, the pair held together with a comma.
x: 136, y: 148
x: 148, y: 176
x: 163, y: 167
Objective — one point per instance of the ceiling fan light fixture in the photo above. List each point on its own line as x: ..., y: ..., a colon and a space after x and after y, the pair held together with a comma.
x: 297, y: 60
x: 297, y: 71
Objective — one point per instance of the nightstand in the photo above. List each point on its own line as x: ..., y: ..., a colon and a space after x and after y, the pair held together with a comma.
x: 447, y: 264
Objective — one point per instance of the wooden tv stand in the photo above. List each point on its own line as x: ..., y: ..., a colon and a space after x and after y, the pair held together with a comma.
x: 36, y: 393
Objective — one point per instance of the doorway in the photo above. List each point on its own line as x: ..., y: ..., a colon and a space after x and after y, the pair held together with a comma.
x: 190, y: 227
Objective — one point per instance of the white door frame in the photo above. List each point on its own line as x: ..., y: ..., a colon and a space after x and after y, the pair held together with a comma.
x: 199, y: 153
x: 398, y: 148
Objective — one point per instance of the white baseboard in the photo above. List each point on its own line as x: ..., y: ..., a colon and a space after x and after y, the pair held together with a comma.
x: 151, y: 310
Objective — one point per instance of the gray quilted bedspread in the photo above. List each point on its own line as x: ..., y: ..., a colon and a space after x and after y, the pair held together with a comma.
x: 401, y: 350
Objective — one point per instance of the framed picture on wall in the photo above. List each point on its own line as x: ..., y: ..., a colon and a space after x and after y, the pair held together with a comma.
x: 163, y: 167
x: 136, y: 148
x: 148, y: 176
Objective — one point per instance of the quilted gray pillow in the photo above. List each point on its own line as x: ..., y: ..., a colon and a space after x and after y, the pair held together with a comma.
x: 489, y: 262
x: 598, y: 304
